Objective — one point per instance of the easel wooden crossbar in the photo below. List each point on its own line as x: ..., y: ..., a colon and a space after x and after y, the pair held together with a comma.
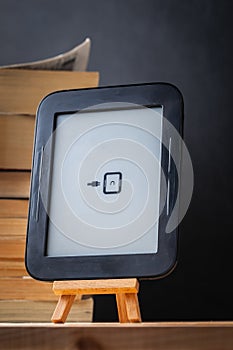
x: 126, y: 291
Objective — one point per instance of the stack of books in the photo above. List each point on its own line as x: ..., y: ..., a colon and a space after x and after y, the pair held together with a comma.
x: 23, y: 299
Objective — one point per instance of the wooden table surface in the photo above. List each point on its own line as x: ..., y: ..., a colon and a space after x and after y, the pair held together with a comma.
x: 115, y: 336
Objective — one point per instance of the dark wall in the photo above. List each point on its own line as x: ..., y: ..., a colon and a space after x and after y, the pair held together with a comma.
x: 189, y: 44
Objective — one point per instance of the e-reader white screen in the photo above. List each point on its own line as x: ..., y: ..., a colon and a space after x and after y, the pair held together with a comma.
x: 105, y: 183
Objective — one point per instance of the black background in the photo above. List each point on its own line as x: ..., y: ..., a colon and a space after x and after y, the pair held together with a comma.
x: 189, y: 44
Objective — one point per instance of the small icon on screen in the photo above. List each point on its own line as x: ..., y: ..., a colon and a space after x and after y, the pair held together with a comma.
x: 93, y: 183
x: 112, y: 182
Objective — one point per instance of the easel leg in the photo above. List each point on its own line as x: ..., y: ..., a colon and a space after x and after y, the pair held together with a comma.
x: 128, y: 307
x: 63, y: 308
x: 122, y: 313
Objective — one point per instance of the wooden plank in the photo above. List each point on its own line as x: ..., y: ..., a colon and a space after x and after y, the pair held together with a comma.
x: 80, y: 336
x: 22, y: 90
x: 25, y: 289
x: 41, y: 311
x: 12, y: 267
x: 14, y: 184
x: 116, y: 325
x: 85, y: 287
x: 13, y: 208
x: 16, y: 141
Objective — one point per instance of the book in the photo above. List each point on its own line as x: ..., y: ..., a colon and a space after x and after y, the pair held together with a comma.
x: 22, y: 90
x: 41, y: 311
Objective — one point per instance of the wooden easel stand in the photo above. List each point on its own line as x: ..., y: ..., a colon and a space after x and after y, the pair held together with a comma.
x: 126, y: 291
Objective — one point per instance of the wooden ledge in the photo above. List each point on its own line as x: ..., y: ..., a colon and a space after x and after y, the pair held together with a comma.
x: 115, y: 336
x: 199, y: 324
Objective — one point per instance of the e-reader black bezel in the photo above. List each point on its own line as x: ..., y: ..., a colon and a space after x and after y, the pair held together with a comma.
x: 47, y: 268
